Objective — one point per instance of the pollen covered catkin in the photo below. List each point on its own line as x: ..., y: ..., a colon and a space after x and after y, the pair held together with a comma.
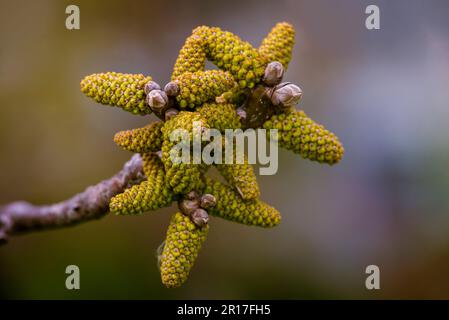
x: 154, y: 193
x: 202, y: 86
x: 191, y: 57
x: 220, y: 116
x: 182, y: 244
x: 118, y: 89
x: 278, y: 45
x: 231, y: 206
x: 242, y: 178
x: 141, y: 140
x: 300, y: 134
x: 182, y: 177
x: 228, y: 52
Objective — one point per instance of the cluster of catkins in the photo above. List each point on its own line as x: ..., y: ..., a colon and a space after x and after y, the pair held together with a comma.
x: 246, y: 92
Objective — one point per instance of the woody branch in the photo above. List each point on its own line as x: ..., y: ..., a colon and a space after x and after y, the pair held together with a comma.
x: 93, y: 203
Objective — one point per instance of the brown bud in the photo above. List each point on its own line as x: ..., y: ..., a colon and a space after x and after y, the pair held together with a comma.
x: 187, y: 206
x: 192, y: 195
x: 170, y: 113
x: 286, y: 94
x: 207, y: 201
x: 200, y: 217
x: 150, y: 86
x: 171, y: 89
x: 274, y: 72
x: 157, y: 100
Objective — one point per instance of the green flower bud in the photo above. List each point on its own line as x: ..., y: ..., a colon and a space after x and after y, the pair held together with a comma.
x: 278, y: 45
x: 300, y: 134
x: 141, y: 140
x: 220, y: 116
x: 126, y: 91
x: 202, y: 86
x: 230, y: 53
x: 232, y: 207
x: 183, y: 242
x: 191, y: 58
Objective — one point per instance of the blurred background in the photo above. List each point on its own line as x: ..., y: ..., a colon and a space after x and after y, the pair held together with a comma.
x: 385, y: 93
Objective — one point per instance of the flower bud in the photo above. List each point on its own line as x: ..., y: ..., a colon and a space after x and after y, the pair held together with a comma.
x: 200, y: 217
x: 150, y: 86
x: 172, y: 89
x: 187, y: 206
x: 157, y: 99
x: 274, y: 72
x: 286, y: 94
x: 192, y: 195
x: 207, y: 201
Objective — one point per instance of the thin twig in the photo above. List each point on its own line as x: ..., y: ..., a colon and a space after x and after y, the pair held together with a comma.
x: 93, y: 203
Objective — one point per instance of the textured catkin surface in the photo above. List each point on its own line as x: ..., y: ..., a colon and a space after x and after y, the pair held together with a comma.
x: 148, y: 195
x: 220, y: 116
x: 228, y: 52
x: 182, y: 244
x: 202, y: 86
x: 278, y: 45
x: 231, y: 206
x: 182, y: 177
x: 242, y: 178
x: 191, y: 57
x: 300, y: 134
x: 118, y: 89
x: 141, y: 140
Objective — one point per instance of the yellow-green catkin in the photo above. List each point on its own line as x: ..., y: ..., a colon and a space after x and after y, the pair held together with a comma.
x: 182, y: 244
x: 152, y: 165
x: 154, y: 193
x: 242, y: 178
x: 278, y: 45
x: 300, y: 134
x: 118, y: 89
x: 220, y: 116
x: 202, y: 86
x: 141, y: 140
x: 191, y: 57
x: 182, y: 177
x: 228, y: 52
x: 232, y: 207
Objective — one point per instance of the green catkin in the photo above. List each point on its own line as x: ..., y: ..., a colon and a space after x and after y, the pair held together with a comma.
x: 230, y: 53
x: 220, y: 116
x: 242, y: 178
x: 118, y: 89
x: 278, y: 45
x: 300, y: 134
x: 154, y: 193
x: 152, y: 164
x: 191, y: 57
x: 202, y: 86
x: 231, y: 206
x: 182, y: 177
x: 182, y: 244
x: 141, y: 140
